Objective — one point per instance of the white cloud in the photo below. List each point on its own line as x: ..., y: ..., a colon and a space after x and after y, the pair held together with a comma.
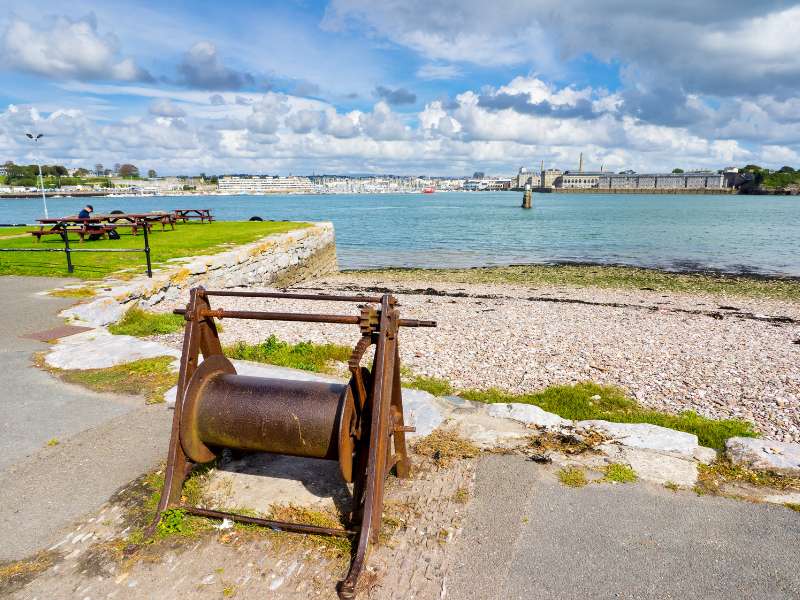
x: 383, y: 124
x: 67, y: 49
x: 202, y: 68
x: 164, y: 107
x: 729, y: 47
x: 185, y: 131
x: 438, y: 71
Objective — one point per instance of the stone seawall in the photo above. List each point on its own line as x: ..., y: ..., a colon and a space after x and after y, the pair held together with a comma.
x: 277, y: 260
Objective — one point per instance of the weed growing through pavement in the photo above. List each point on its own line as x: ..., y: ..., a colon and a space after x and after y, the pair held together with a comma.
x: 619, y: 473
x: 572, y: 476
x: 713, y: 478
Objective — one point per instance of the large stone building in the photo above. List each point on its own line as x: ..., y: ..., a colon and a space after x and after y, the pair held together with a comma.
x: 550, y: 176
x: 673, y: 181
x: 527, y: 178
x: 579, y: 179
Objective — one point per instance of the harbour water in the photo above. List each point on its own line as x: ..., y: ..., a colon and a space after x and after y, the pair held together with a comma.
x: 732, y: 234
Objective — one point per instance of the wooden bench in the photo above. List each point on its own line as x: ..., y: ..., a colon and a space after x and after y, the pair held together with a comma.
x: 82, y: 231
x: 134, y: 227
x: 203, y: 214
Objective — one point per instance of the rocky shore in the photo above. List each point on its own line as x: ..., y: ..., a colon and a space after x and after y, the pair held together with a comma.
x: 720, y: 357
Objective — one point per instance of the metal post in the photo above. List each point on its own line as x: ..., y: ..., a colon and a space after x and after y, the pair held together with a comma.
x: 36, y: 139
x: 147, y: 250
x: 44, y: 200
x: 67, y: 251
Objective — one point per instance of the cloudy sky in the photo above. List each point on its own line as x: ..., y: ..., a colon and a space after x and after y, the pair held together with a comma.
x: 403, y: 86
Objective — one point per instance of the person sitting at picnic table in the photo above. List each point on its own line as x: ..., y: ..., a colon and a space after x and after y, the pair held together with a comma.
x: 86, y: 212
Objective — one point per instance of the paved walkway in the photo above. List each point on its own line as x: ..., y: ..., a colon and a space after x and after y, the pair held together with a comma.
x: 534, y: 538
x: 104, y: 440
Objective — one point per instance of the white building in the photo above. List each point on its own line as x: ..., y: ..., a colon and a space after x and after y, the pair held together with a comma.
x: 579, y: 179
x: 233, y: 184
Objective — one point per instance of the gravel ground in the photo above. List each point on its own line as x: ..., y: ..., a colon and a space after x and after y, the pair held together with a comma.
x: 721, y: 357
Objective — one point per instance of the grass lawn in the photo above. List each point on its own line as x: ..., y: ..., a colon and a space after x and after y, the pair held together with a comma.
x: 12, y: 231
x: 188, y: 239
x: 599, y: 276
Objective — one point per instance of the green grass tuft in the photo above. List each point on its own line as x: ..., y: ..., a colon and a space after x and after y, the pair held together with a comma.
x: 149, y: 377
x: 572, y: 476
x: 432, y: 385
x: 793, y: 506
x: 619, y: 473
x: 580, y: 402
x: 80, y: 292
x: 304, y: 355
x: 141, y: 323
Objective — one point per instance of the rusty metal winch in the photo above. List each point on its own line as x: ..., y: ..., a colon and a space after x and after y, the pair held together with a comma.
x: 359, y: 423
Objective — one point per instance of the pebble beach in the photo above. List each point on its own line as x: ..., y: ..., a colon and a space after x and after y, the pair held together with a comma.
x: 718, y: 356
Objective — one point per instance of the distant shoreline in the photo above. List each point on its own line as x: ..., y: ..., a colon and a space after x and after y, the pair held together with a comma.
x: 602, y: 275
x: 577, y: 191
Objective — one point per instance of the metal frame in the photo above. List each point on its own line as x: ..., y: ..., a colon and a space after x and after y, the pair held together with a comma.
x: 377, y: 428
x: 68, y: 250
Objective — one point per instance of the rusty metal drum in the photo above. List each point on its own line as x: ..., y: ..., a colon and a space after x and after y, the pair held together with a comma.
x: 298, y: 418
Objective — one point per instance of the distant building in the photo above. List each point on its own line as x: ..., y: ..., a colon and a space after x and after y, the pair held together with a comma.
x: 486, y: 185
x: 527, y: 178
x: 579, y: 179
x: 234, y: 184
x: 691, y: 181
x: 549, y: 177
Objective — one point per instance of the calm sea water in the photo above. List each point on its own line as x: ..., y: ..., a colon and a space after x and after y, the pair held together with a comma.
x: 736, y: 234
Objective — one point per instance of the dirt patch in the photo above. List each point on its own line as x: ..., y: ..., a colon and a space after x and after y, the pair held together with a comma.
x: 16, y: 575
x: 445, y: 446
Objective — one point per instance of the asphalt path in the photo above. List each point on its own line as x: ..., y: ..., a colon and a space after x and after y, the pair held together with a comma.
x: 104, y: 440
x: 526, y: 536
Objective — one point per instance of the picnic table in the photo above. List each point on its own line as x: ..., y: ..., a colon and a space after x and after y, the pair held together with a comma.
x: 83, y: 227
x: 101, y: 224
x: 165, y: 218
x: 204, y: 214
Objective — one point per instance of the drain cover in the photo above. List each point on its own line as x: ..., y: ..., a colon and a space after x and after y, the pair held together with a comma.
x: 56, y: 333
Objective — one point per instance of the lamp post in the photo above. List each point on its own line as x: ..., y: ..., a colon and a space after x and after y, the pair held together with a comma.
x: 36, y: 138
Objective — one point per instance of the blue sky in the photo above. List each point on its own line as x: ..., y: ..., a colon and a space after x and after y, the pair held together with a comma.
x: 440, y: 87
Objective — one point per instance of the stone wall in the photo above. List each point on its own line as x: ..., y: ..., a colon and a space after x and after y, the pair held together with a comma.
x: 276, y: 260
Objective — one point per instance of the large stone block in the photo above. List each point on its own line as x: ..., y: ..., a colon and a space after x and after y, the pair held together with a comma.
x: 97, y: 313
x: 646, y: 436
x: 98, y: 349
x: 528, y: 414
x: 764, y: 455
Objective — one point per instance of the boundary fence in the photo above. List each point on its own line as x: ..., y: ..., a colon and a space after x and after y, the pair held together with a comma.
x: 69, y: 250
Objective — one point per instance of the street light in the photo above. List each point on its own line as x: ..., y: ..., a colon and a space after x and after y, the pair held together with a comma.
x: 38, y: 164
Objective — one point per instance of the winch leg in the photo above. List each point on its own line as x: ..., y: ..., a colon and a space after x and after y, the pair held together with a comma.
x: 200, y: 335
x: 383, y: 368
x: 398, y: 424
